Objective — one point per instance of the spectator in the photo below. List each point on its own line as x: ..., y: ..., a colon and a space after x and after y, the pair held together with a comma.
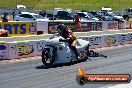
x: 13, y: 14
x: 76, y: 21
x: 5, y: 18
x: 3, y: 33
x: 67, y: 34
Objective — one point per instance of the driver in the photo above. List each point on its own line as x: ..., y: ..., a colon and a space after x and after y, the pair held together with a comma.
x: 66, y: 33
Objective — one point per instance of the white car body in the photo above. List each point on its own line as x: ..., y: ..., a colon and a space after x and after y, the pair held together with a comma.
x: 106, y: 9
x: 87, y: 16
x: 21, y: 8
x: 115, y: 16
x: 61, y: 9
x: 26, y: 16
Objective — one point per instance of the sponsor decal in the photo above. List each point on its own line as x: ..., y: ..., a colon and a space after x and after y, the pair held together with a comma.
x: 2, y: 47
x: 32, y: 28
x: 95, y: 40
x: 122, y: 39
x: 110, y: 40
x: 40, y: 45
x: 19, y: 28
x: 23, y: 49
x: 82, y: 78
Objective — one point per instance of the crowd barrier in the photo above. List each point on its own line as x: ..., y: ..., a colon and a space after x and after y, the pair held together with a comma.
x: 89, y: 26
x: 19, y: 49
x: 19, y: 28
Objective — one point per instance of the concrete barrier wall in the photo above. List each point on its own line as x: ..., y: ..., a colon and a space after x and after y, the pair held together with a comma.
x: 95, y: 41
x: 19, y: 28
x: 19, y: 49
x: 108, y: 40
x: 130, y: 38
x: 89, y: 26
x: 23, y: 38
x: 25, y: 49
x: 4, y: 51
x: 42, y: 26
x: 109, y: 25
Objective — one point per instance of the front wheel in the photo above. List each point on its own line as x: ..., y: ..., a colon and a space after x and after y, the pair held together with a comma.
x: 47, y: 59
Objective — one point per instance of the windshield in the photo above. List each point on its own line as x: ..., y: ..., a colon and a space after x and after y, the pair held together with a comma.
x: 90, y: 15
x: 22, y: 9
x: 82, y: 15
x: 113, y: 14
x: 94, y: 13
x: 72, y: 13
x: 38, y: 17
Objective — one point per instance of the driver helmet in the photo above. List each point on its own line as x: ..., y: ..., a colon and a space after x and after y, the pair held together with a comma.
x: 61, y: 27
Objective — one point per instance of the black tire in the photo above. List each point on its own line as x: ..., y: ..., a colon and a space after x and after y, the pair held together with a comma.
x: 47, y: 57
